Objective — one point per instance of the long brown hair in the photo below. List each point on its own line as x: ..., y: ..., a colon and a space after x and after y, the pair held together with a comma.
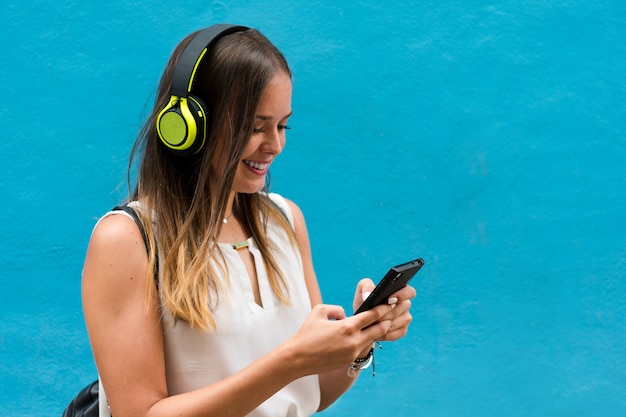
x: 185, y: 197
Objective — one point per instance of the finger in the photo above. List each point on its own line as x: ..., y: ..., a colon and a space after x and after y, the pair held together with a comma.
x: 400, y: 308
x: 405, y: 293
x: 365, y: 288
x: 399, y: 327
x: 393, y: 335
x: 376, y: 314
x: 331, y: 312
x: 377, y: 330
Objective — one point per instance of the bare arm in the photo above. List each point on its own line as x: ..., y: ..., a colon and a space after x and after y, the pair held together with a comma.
x: 127, y: 341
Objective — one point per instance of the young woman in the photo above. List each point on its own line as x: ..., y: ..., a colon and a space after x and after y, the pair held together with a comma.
x: 222, y: 315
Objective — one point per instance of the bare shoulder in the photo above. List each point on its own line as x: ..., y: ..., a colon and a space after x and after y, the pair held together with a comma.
x: 116, y: 255
x: 115, y: 230
x: 300, y: 228
x: 298, y: 216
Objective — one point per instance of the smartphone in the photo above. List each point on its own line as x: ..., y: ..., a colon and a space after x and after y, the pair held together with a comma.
x: 396, y: 278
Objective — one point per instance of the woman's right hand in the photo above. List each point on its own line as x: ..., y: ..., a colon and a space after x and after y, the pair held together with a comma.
x: 328, y: 340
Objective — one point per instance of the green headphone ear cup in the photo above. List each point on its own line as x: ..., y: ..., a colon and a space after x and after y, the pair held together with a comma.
x: 181, y: 126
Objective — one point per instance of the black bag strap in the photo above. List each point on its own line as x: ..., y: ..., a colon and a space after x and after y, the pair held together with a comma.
x: 132, y: 213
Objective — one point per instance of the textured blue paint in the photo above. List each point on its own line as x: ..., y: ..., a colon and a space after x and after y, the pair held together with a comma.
x: 487, y: 137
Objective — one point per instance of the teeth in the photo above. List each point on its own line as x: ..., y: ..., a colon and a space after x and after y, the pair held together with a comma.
x: 257, y: 165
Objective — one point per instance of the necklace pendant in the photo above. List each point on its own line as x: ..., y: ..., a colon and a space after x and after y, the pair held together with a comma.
x: 241, y: 245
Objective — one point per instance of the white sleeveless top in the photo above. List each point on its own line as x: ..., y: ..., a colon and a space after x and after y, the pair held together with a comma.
x: 245, y: 331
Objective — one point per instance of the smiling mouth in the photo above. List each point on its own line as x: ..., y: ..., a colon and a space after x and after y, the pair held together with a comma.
x: 261, y: 166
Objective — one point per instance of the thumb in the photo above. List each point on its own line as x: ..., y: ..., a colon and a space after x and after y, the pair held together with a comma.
x: 363, y: 289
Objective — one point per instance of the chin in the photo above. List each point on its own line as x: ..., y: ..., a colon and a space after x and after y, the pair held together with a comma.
x: 250, y: 189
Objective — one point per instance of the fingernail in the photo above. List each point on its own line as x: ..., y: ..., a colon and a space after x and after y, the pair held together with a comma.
x: 392, y: 300
x: 366, y: 294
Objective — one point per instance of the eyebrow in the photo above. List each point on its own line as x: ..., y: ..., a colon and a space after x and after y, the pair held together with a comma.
x: 264, y: 118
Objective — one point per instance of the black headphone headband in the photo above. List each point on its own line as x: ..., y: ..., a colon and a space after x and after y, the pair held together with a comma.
x: 193, y: 53
x: 182, y: 124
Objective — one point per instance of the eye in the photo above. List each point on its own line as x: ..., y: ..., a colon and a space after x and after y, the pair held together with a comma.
x: 261, y: 129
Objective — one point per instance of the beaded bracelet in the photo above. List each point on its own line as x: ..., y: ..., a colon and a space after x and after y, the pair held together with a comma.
x: 363, y: 363
x: 360, y: 363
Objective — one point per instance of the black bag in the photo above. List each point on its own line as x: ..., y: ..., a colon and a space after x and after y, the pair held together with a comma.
x: 86, y: 403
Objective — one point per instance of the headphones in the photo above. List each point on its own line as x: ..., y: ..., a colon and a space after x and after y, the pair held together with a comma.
x: 182, y: 124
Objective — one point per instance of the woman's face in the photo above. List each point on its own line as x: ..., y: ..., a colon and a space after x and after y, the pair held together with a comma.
x: 268, y: 138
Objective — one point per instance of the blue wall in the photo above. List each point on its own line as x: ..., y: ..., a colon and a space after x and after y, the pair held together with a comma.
x: 487, y: 137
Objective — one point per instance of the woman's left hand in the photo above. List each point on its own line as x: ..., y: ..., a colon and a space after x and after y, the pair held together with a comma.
x: 400, y: 315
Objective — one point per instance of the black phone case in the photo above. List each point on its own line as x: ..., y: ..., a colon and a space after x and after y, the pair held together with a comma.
x: 396, y: 278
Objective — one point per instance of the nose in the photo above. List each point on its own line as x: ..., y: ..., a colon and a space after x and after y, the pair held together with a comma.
x: 274, y: 141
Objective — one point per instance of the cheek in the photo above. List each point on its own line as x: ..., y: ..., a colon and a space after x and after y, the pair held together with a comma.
x: 253, y: 144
